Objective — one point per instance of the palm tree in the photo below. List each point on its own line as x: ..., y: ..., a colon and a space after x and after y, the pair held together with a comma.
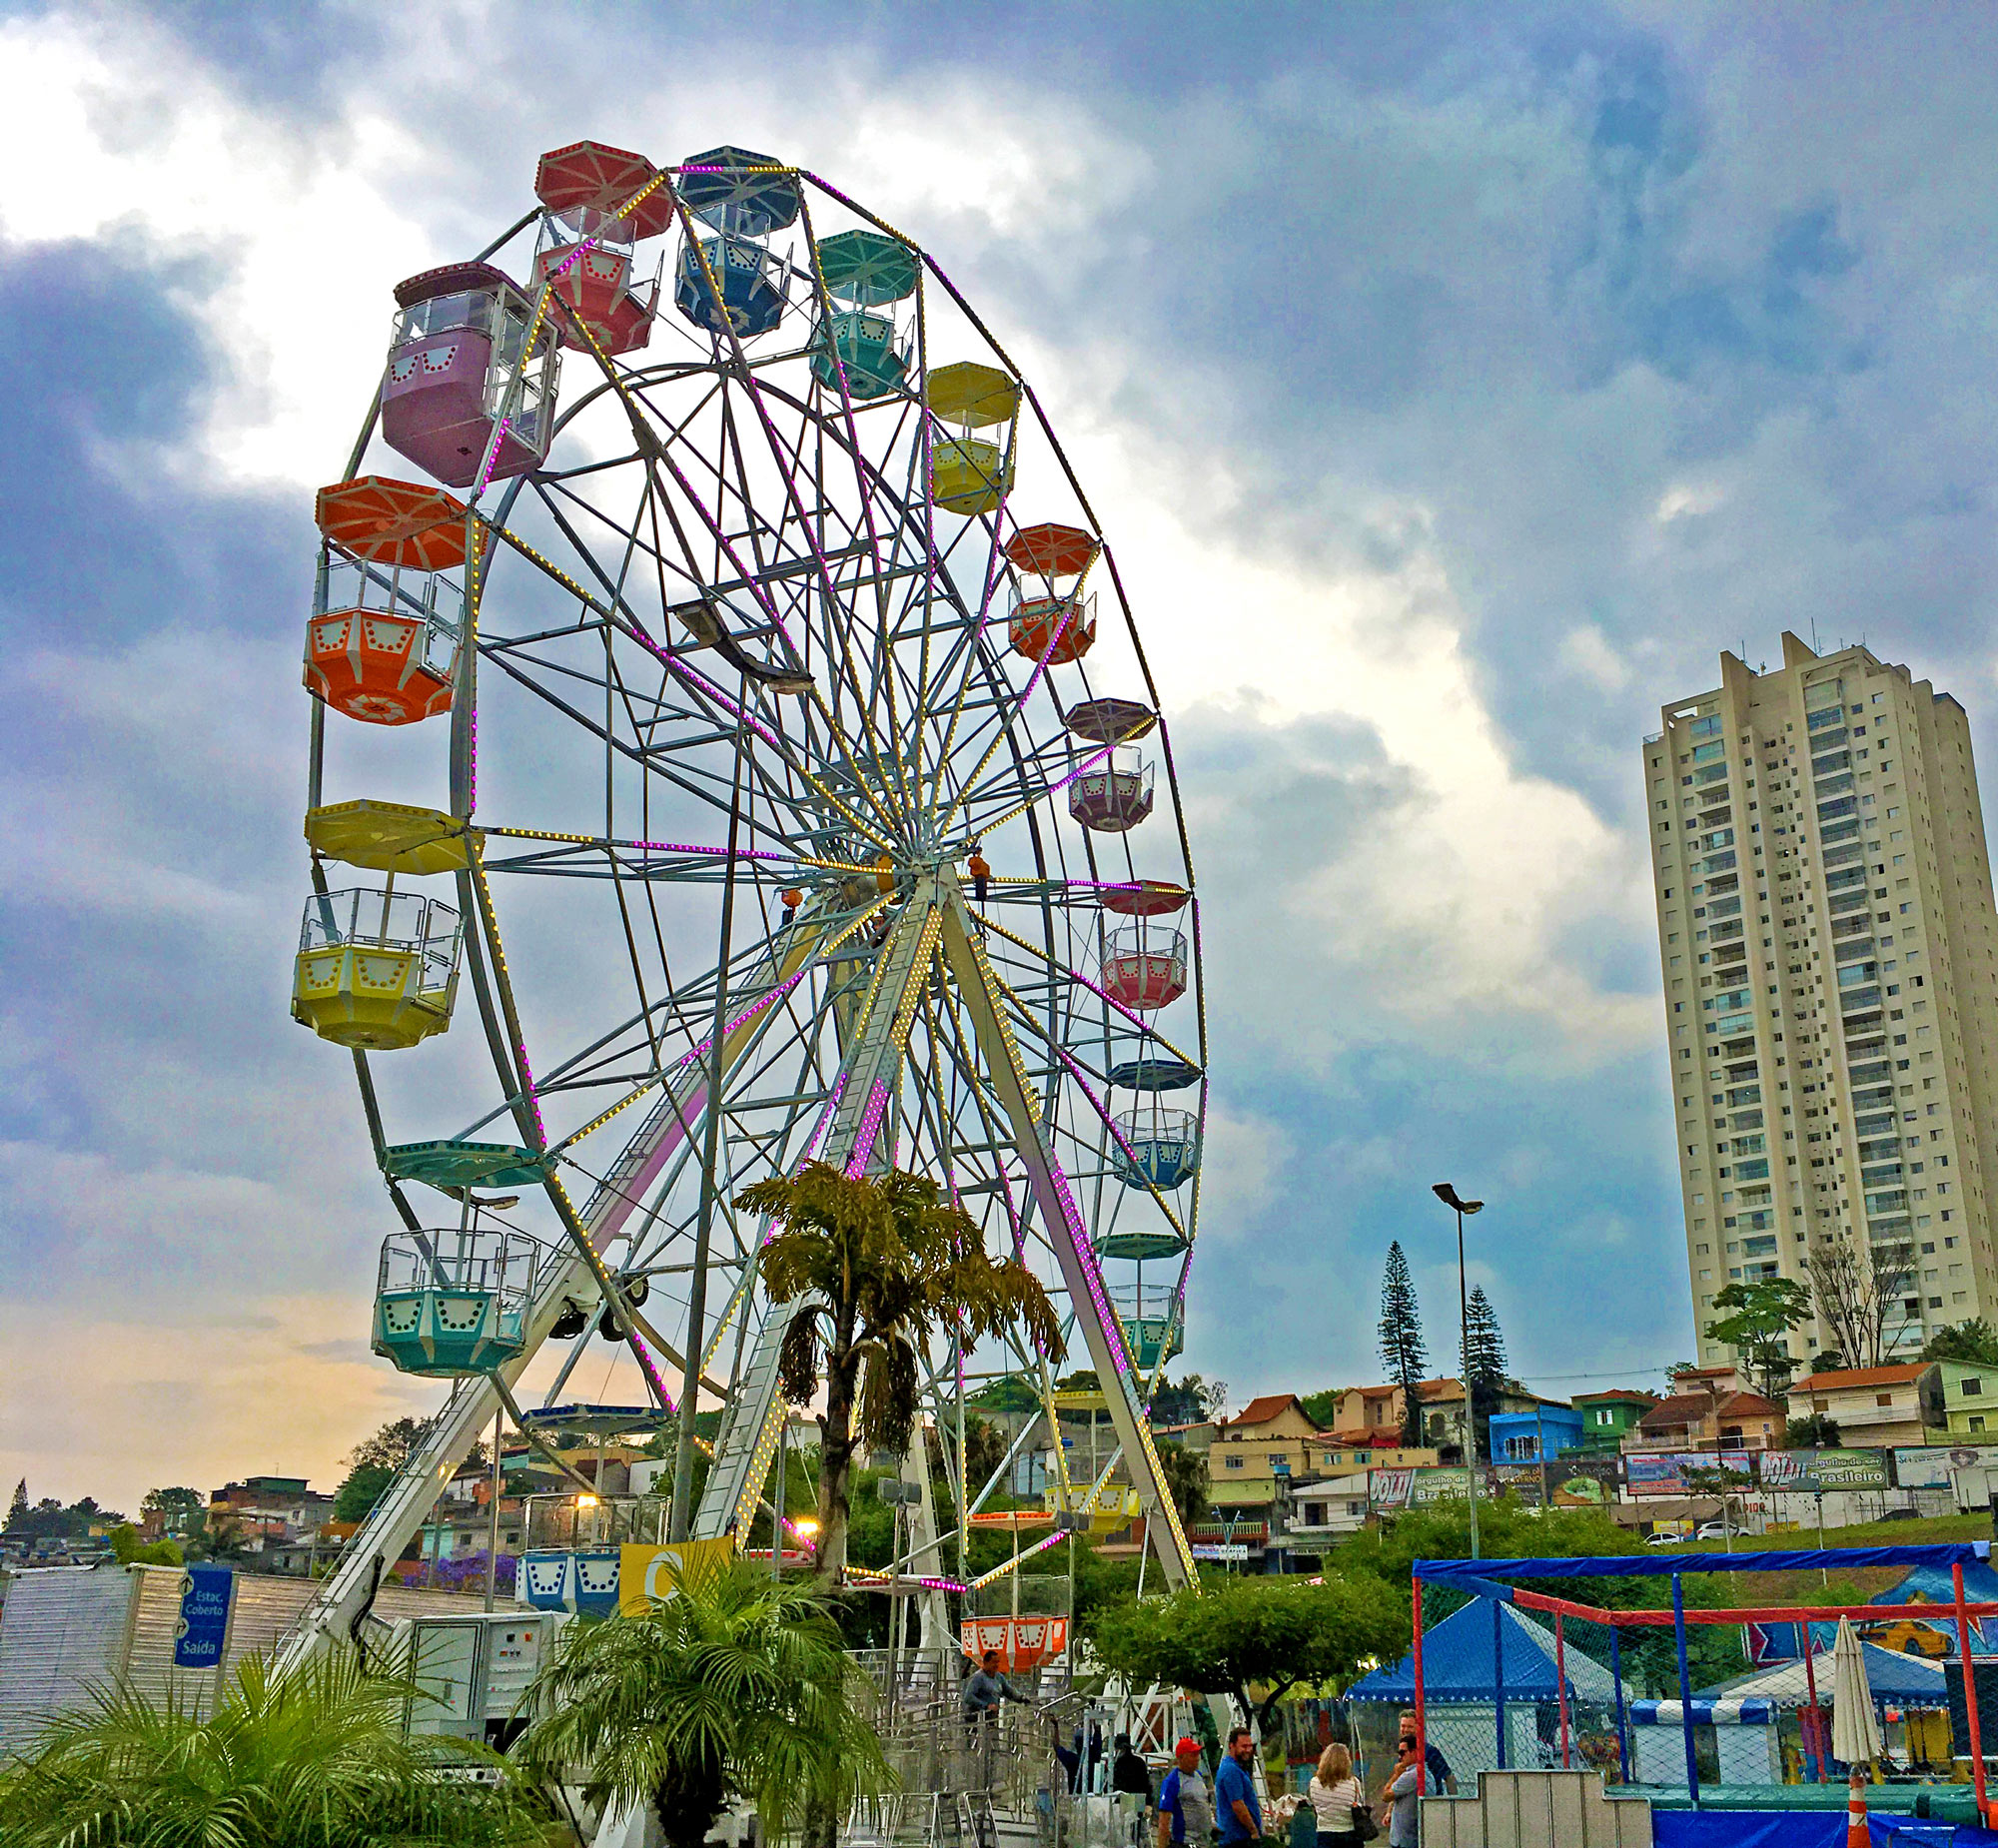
x: 318, y: 1760
x: 883, y: 1265
x: 733, y: 1685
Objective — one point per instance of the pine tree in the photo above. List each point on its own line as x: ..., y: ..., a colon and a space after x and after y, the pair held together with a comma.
x: 17, y: 1510
x: 1402, y: 1351
x: 1483, y: 1364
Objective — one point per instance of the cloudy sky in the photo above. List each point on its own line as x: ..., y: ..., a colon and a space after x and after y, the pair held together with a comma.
x: 1454, y: 384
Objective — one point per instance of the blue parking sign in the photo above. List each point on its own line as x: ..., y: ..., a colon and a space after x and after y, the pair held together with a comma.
x: 205, y: 1595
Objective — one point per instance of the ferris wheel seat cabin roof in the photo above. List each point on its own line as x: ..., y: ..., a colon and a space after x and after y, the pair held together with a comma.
x: 867, y: 268
x: 968, y: 393
x: 737, y: 191
x: 386, y: 521
x: 455, y: 279
x: 593, y: 178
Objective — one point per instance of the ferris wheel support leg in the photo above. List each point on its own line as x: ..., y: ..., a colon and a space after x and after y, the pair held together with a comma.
x: 1107, y: 1352
x: 925, y: 1555
x: 868, y: 1076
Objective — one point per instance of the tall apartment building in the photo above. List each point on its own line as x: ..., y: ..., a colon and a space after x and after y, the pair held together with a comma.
x: 1830, y: 957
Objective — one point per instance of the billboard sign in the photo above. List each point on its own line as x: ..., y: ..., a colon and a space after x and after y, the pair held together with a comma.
x: 1415, y: 1488
x: 1585, y: 1481
x: 1928, y: 1465
x: 1521, y: 1480
x: 1809, y: 1472
x: 1686, y: 1472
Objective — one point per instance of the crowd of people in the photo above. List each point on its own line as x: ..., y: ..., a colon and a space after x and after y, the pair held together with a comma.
x: 1193, y: 1811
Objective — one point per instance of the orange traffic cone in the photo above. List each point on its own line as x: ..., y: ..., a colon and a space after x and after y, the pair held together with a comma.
x: 1855, y: 1813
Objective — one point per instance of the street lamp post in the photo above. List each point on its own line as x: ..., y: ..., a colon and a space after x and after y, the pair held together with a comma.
x: 1447, y: 1193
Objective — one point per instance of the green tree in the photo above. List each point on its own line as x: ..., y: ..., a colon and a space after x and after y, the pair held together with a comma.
x: 1187, y: 1400
x: 1483, y: 1365
x: 374, y: 1463
x: 732, y: 1686
x: 390, y: 1445
x: 178, y: 1509
x: 365, y: 1486
x: 1321, y: 1407
x: 1402, y: 1350
x: 1186, y: 1471
x: 17, y: 1509
x: 1271, y: 1633
x: 1757, y: 1324
x: 881, y: 1265
x: 128, y: 1549
x: 1817, y: 1432
x: 1009, y: 1393
x: 1975, y: 1342
x: 318, y: 1760
x: 985, y: 1449
x: 220, y: 1542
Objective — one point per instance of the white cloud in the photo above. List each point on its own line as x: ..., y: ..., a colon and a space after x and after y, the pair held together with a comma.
x: 1587, y: 653
x: 1688, y: 500
x: 117, y: 134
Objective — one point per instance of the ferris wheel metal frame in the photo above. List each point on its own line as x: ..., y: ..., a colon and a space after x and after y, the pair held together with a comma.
x: 773, y: 620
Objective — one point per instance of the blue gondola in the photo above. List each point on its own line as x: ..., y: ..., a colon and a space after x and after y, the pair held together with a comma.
x: 752, y: 280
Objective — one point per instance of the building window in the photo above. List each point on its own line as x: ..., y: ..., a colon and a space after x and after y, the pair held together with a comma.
x: 1235, y: 1462
x: 1971, y: 1388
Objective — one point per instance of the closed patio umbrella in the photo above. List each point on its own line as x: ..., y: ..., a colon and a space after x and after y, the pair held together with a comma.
x: 1855, y: 1728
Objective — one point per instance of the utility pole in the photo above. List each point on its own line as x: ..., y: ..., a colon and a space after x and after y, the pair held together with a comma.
x: 1447, y: 1193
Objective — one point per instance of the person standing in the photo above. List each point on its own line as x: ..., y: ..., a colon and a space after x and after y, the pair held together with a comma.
x: 1402, y: 1791
x: 1441, y: 1775
x: 1235, y: 1799
x: 984, y: 1688
x: 1334, y: 1791
x: 1128, y: 1774
x: 1186, y: 1803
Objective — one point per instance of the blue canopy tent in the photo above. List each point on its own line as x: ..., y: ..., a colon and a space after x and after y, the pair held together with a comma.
x: 1468, y: 1658
x: 1505, y: 1682
x: 1896, y: 1679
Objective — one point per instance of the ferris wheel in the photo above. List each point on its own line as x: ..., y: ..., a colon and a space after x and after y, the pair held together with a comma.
x: 778, y: 774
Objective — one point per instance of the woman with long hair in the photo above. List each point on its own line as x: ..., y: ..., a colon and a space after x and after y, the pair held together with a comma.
x: 1333, y: 1792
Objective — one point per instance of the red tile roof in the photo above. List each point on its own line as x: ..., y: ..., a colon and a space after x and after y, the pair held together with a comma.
x: 1684, y: 1408
x: 1631, y: 1396
x: 1680, y: 1408
x: 1861, y: 1377
x: 1261, y: 1410
x: 1750, y: 1406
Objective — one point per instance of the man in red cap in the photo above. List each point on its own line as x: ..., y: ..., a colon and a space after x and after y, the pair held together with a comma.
x: 1185, y: 1801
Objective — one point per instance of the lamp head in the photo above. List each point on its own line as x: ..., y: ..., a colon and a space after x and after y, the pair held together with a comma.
x: 1444, y: 1192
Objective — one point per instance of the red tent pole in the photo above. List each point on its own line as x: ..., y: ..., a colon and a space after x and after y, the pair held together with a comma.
x: 1560, y: 1683
x: 1422, y: 1731
x: 1817, y: 1719
x: 1969, y: 1692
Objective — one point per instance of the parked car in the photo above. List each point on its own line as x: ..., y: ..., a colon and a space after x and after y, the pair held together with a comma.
x: 1665, y: 1540
x: 1713, y: 1530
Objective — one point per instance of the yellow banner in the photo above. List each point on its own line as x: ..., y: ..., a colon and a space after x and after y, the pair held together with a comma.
x: 646, y: 1573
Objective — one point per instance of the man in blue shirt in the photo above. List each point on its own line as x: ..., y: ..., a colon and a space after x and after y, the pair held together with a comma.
x: 1240, y: 1814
